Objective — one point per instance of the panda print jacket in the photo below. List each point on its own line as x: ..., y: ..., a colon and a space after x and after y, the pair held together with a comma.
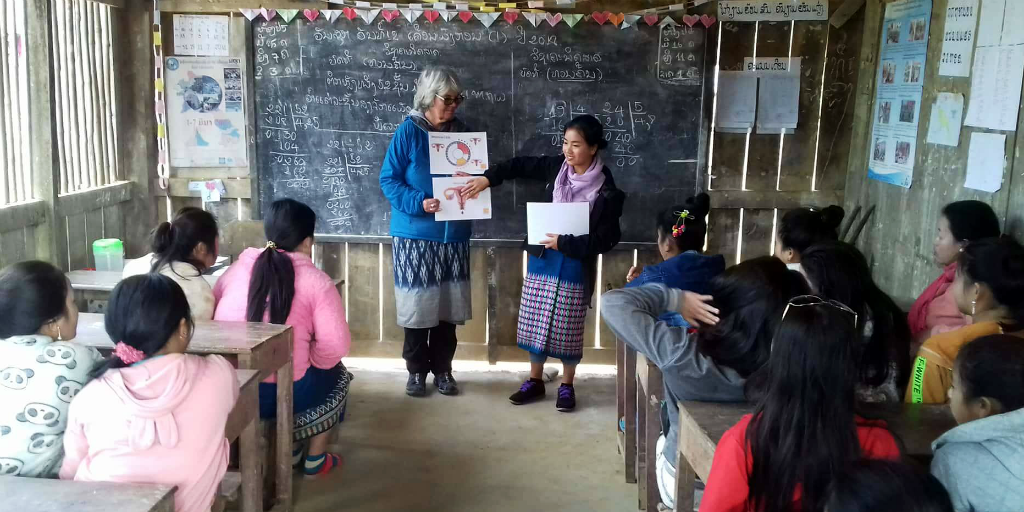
x: 38, y: 379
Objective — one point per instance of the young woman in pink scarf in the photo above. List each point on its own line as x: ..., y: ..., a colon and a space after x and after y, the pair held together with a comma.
x: 561, y: 273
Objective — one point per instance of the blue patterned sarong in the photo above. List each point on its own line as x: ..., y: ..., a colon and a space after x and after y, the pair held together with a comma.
x: 431, y: 283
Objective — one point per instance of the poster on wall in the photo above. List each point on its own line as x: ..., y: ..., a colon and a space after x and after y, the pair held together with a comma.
x: 958, y: 38
x: 893, y: 144
x: 205, y: 112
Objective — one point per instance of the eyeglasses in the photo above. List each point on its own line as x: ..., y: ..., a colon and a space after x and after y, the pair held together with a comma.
x: 448, y: 101
x: 814, y: 300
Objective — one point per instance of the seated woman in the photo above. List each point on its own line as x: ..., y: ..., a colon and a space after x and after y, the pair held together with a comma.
x: 989, y: 286
x: 712, y: 363
x: 801, y: 228
x: 804, y: 430
x: 681, y: 231
x: 960, y: 223
x: 279, y: 284
x: 182, y: 250
x: 838, y: 271
x: 40, y: 370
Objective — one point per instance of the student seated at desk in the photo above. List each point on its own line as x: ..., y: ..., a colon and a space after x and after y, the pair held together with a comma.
x: 279, y: 284
x: 153, y: 415
x: 714, y: 362
x: 40, y: 370
x: 981, y: 462
x: 989, y: 286
x: 801, y: 228
x: 681, y: 232
x: 784, y: 456
x: 182, y: 250
x: 877, y: 485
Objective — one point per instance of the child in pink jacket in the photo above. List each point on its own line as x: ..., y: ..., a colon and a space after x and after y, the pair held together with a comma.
x: 154, y: 414
x: 279, y: 284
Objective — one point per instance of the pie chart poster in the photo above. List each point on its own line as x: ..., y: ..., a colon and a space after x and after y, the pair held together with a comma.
x: 452, y: 152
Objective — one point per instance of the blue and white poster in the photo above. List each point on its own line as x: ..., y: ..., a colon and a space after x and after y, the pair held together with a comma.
x: 205, y: 112
x: 893, y: 144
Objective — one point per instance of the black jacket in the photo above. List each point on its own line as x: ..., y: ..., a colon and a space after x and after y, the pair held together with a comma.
x: 604, y: 217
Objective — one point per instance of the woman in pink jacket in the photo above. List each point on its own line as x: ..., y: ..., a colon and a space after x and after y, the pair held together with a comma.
x: 279, y: 284
x: 154, y: 415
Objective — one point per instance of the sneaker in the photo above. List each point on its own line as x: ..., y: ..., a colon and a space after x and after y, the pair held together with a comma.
x: 446, y: 384
x: 416, y: 385
x: 531, y: 390
x: 566, y: 398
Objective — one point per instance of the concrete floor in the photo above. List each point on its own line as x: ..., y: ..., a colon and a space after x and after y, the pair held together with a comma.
x: 474, y: 452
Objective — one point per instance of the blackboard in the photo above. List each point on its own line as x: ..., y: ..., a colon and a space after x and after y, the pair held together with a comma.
x: 330, y: 95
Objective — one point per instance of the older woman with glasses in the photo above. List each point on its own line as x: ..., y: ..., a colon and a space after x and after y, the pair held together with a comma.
x: 431, y: 259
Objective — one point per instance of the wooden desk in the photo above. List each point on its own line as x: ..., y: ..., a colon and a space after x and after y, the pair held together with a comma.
x: 45, y: 495
x: 244, y: 424
x: 702, y: 424
x: 650, y: 391
x: 95, y: 281
x: 252, y: 346
x: 626, y: 401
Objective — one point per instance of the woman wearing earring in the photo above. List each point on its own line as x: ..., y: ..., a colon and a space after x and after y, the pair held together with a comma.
x: 40, y: 371
x: 989, y: 286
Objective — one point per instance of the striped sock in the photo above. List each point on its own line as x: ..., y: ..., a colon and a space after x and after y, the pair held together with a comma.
x: 296, y: 454
x: 313, y: 464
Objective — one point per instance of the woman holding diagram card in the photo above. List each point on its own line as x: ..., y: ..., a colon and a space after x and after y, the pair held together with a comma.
x: 562, y: 270
x: 429, y: 303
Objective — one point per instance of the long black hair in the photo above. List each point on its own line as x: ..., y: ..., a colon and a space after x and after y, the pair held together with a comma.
x: 971, y: 220
x: 32, y: 294
x: 751, y: 297
x: 176, y: 240
x: 287, y: 223
x: 144, y: 311
x: 838, y: 271
x: 999, y: 264
x: 695, y: 226
x: 993, y: 367
x: 804, y: 227
x: 803, y: 429
x: 874, y: 485
x: 589, y: 128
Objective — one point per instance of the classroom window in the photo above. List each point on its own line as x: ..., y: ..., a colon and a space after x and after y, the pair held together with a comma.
x: 16, y: 178
x: 86, y: 103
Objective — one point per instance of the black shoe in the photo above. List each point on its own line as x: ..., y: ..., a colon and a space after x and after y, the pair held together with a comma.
x: 446, y: 384
x: 416, y: 385
x: 566, y: 398
x: 531, y: 390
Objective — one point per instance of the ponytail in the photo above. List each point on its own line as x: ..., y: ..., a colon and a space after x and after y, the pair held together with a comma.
x: 287, y: 224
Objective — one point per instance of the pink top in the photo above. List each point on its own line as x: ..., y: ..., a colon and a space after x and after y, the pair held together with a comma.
x: 317, y: 317
x: 161, y: 422
x: 943, y: 315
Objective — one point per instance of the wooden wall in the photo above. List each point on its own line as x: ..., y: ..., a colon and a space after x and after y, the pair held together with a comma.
x: 898, y: 238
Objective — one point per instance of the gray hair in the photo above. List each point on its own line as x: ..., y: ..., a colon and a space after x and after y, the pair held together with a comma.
x: 435, y: 81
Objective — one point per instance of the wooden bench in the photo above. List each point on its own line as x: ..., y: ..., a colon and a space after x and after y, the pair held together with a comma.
x: 650, y: 391
x: 45, y: 495
x: 702, y: 424
x: 266, y: 348
x: 626, y: 402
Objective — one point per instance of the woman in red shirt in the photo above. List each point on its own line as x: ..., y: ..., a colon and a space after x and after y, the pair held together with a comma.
x: 804, y: 430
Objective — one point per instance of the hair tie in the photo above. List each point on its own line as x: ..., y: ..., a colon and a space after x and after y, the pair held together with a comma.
x: 128, y: 354
x: 271, y: 245
x: 680, y: 226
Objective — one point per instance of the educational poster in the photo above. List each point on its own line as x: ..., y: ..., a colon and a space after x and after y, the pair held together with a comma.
x: 452, y: 152
x: 958, y: 38
x: 898, y: 93
x: 205, y: 112
x: 454, y: 207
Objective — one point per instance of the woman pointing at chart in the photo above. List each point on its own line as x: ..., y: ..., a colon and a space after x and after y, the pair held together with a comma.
x: 561, y: 273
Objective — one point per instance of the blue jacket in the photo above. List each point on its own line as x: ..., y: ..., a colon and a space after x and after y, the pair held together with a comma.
x: 690, y: 271
x: 406, y: 181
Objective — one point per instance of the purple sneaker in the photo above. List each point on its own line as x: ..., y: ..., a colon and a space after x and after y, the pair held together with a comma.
x: 566, y: 398
x: 531, y: 390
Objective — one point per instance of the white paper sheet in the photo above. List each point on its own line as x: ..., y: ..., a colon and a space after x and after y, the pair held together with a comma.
x: 737, y: 100
x: 947, y: 114
x: 201, y: 34
x: 996, y: 87
x: 985, y: 161
x: 1013, y: 23
x: 990, y: 24
x: 778, y: 103
x: 958, y: 39
x: 449, y: 192
x: 556, y: 218
x: 452, y: 152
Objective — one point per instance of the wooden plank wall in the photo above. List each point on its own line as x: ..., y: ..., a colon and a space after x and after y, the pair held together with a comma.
x: 898, y: 239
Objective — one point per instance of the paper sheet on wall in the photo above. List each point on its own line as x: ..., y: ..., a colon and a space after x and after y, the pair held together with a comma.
x: 990, y: 23
x: 985, y: 161
x: 556, y: 218
x: 197, y: 34
x: 452, y: 152
x: 737, y: 101
x: 453, y: 207
x: 1013, y: 23
x: 944, y: 125
x: 778, y: 103
x: 996, y: 87
x: 958, y: 38
x: 206, y: 114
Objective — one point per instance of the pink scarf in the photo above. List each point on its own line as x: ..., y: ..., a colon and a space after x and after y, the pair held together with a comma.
x: 919, y: 312
x: 577, y: 188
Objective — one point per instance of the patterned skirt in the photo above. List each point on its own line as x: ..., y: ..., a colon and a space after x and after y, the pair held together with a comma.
x: 319, y: 401
x: 431, y: 283
x: 554, y: 307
